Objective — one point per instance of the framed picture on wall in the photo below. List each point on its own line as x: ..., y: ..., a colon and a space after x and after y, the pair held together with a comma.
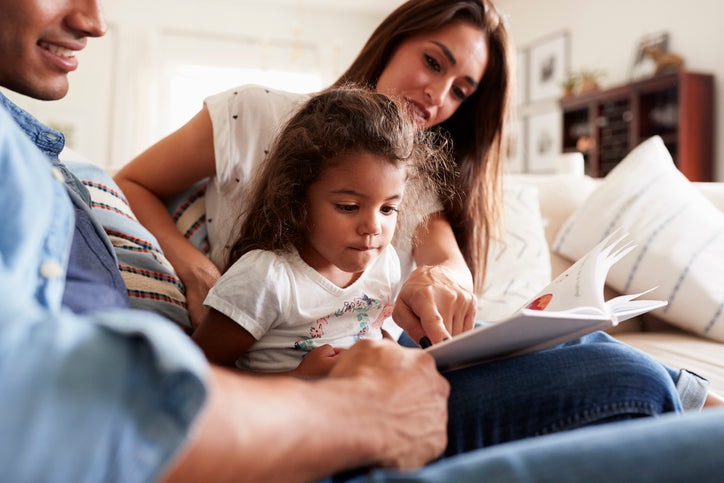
x: 544, y: 141
x: 643, y: 64
x: 521, y: 87
x: 517, y: 162
x: 548, y: 67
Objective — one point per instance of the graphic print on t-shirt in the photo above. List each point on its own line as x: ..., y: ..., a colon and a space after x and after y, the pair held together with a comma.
x: 364, y: 309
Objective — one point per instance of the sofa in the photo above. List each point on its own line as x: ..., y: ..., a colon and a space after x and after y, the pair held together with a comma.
x: 646, y: 177
x: 549, y: 221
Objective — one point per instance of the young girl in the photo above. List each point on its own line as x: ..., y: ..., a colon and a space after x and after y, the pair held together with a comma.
x: 312, y: 270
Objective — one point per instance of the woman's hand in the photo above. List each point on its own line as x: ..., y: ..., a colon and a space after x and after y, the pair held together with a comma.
x: 163, y: 170
x: 198, y: 280
x: 433, y: 304
x: 318, y: 362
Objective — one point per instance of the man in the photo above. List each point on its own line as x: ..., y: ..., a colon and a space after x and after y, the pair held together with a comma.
x: 93, y: 391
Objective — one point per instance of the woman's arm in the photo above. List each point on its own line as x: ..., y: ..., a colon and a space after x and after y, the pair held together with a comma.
x: 437, y: 300
x: 163, y: 170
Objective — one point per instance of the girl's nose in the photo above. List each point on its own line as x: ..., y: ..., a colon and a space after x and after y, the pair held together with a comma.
x: 370, y: 225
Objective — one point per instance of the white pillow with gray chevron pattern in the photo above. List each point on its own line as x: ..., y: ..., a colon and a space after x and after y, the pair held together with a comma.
x: 680, y: 237
x: 519, y: 263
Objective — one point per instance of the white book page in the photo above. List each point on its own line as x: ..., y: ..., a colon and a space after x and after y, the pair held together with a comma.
x: 580, y: 288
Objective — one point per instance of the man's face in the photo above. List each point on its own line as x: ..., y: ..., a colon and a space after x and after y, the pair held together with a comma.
x: 38, y: 42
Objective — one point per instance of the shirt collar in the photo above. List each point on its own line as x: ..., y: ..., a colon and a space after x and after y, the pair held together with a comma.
x: 48, y: 140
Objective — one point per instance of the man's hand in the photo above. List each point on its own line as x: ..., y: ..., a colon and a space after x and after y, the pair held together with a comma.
x: 433, y: 304
x: 407, y: 396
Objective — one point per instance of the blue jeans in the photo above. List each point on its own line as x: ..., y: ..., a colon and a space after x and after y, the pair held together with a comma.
x: 670, y: 448
x: 588, y: 381
x: 591, y: 380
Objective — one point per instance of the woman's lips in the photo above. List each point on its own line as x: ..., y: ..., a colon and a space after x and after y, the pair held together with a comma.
x: 419, y: 110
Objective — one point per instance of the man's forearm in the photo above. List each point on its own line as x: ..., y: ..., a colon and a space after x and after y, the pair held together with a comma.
x: 285, y: 429
x: 272, y: 429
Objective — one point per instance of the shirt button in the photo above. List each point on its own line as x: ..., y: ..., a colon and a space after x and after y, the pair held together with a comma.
x: 58, y: 175
x: 51, y: 270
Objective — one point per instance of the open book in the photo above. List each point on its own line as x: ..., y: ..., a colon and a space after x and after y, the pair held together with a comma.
x: 569, y: 307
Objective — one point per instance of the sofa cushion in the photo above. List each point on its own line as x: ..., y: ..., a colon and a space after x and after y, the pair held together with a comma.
x: 519, y: 263
x: 680, y: 237
x: 150, y: 279
x: 678, y: 350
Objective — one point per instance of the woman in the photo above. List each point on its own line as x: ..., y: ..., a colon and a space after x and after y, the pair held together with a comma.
x: 449, y: 60
x: 441, y: 289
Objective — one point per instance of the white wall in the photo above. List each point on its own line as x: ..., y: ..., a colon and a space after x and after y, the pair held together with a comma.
x: 110, y: 106
x: 604, y: 35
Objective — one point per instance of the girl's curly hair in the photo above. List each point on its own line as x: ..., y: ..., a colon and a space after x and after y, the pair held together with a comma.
x: 330, y: 126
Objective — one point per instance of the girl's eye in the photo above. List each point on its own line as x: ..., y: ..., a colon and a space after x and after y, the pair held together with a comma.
x: 459, y: 93
x: 432, y: 63
x: 346, y: 208
x: 388, y: 210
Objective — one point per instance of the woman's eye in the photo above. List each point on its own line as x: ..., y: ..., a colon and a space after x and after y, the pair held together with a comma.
x: 459, y: 93
x: 388, y: 210
x: 346, y: 208
x: 432, y: 63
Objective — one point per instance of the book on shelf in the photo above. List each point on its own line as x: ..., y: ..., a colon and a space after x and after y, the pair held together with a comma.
x: 569, y: 307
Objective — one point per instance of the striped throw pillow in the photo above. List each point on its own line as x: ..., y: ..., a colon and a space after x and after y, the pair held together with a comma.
x: 150, y: 279
x: 679, y: 233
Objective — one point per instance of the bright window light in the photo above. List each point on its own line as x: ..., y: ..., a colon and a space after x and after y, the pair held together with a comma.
x: 184, y: 87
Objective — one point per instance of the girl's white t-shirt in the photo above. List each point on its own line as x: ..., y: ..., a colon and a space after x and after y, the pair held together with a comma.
x: 290, y: 308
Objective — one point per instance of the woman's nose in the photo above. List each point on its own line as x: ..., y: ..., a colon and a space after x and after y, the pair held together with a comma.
x: 435, y: 92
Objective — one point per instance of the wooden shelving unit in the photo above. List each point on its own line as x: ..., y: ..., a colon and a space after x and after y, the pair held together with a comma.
x: 605, y: 125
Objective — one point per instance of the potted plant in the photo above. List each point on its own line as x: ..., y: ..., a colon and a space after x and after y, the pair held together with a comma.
x: 569, y: 85
x: 589, y: 79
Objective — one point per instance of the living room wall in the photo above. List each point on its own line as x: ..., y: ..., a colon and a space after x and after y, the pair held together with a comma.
x: 604, y: 35
x: 112, y: 108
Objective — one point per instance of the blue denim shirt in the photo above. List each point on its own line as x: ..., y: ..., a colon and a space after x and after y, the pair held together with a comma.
x: 107, y: 396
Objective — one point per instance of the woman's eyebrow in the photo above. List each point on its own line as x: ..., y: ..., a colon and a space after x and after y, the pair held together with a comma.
x: 446, y: 51
x: 453, y: 61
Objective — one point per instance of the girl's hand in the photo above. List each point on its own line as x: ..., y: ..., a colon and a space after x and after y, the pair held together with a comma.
x: 433, y: 304
x: 318, y: 363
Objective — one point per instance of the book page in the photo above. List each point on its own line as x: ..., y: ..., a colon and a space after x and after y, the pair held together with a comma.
x: 580, y: 288
x: 625, y: 307
x: 569, y: 307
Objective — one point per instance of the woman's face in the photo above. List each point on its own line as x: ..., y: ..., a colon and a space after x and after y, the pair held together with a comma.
x: 435, y: 72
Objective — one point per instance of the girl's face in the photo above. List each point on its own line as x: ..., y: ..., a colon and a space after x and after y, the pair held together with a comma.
x: 352, y: 211
x: 435, y: 72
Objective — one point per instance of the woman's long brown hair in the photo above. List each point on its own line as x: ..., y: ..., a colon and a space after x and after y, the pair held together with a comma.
x: 478, y: 129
